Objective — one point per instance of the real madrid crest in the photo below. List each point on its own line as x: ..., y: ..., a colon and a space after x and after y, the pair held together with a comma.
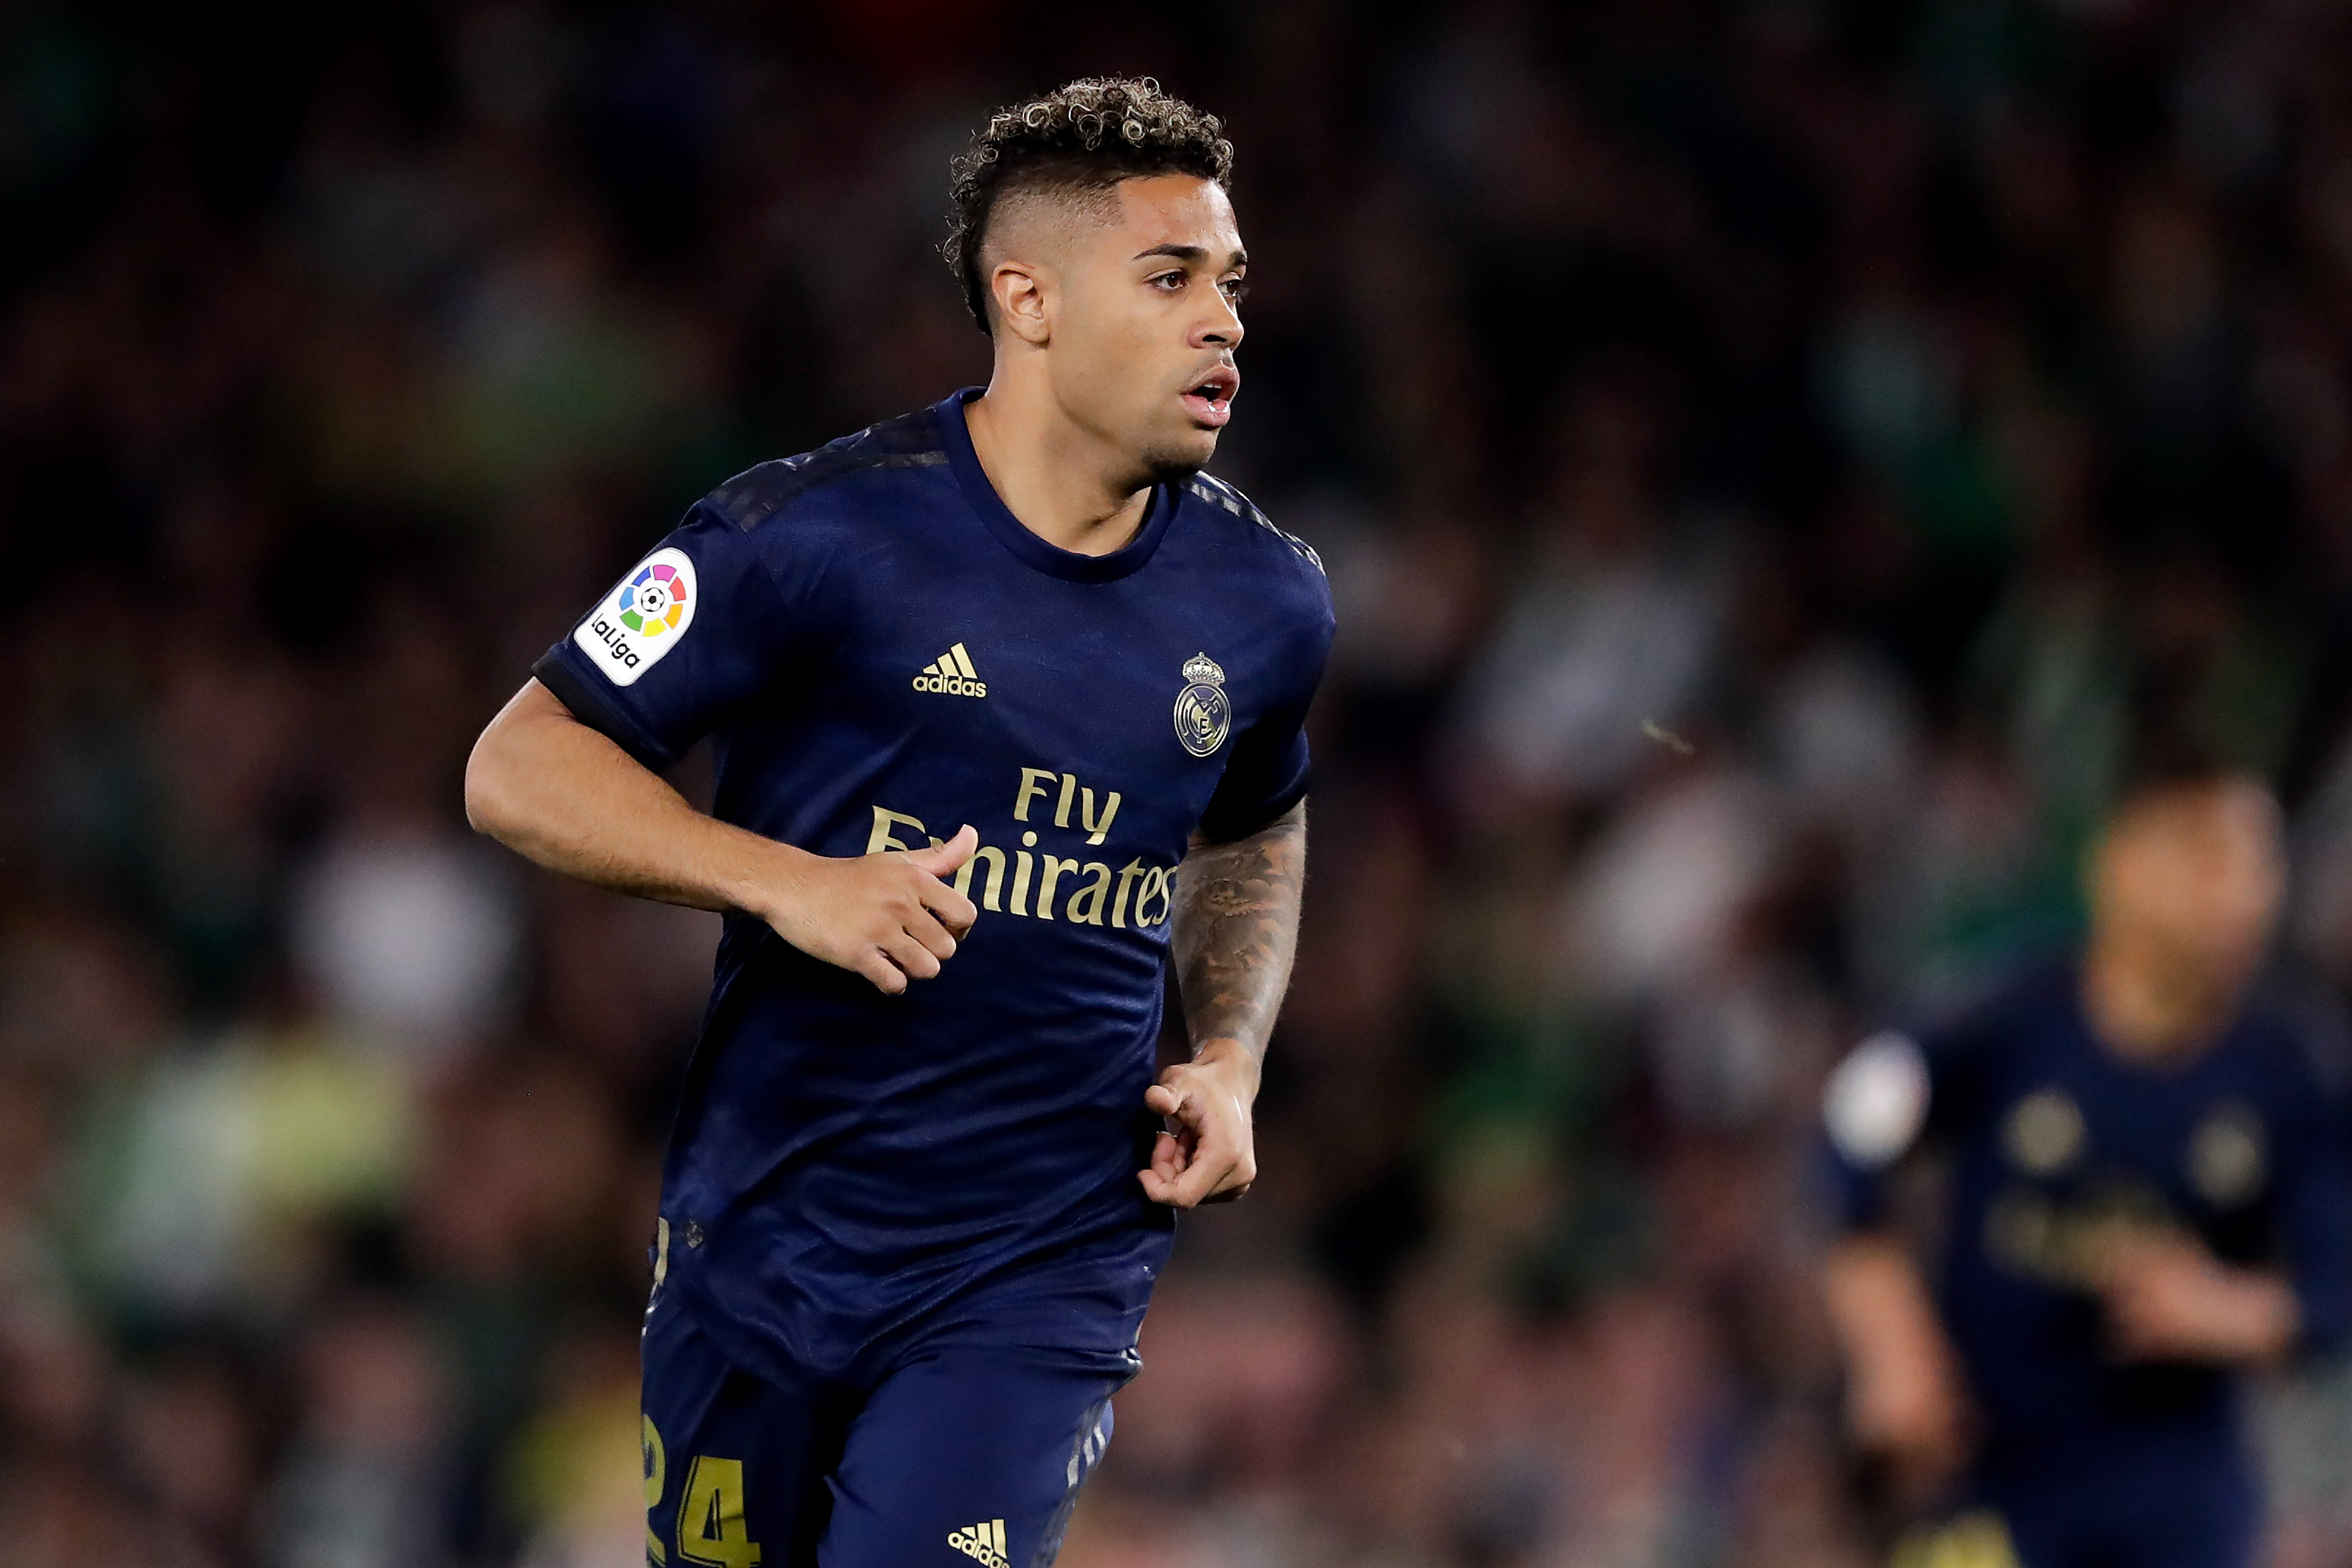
x: 2229, y: 1158
x: 1203, y: 713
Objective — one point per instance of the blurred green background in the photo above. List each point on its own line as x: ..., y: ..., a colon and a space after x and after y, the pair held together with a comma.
x: 1880, y: 396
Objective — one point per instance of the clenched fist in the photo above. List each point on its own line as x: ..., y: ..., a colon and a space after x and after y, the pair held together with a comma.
x: 1208, y: 1155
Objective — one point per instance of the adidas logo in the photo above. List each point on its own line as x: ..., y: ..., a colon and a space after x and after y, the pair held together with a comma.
x: 951, y: 673
x: 982, y: 1543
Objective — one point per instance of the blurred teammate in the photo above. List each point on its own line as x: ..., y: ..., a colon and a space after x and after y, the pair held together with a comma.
x: 2147, y: 1194
x: 981, y: 677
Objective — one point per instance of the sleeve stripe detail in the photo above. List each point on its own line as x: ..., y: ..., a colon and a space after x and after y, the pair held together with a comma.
x: 752, y: 497
x: 1216, y: 492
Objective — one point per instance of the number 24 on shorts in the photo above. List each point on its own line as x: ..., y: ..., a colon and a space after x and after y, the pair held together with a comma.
x: 710, y: 1528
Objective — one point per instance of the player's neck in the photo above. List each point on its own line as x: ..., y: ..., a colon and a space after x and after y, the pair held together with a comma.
x: 2145, y: 1007
x: 1064, y: 483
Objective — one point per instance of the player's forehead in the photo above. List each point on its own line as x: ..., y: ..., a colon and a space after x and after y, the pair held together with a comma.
x: 2231, y: 812
x: 1164, y: 214
x: 2198, y: 839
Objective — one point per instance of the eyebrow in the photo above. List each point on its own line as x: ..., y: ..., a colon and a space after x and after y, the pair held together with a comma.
x: 1191, y: 253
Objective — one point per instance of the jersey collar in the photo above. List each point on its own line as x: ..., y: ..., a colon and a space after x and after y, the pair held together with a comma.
x: 1050, y: 559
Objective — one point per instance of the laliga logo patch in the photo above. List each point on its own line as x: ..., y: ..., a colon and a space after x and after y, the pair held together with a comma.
x: 1204, y: 711
x: 642, y: 618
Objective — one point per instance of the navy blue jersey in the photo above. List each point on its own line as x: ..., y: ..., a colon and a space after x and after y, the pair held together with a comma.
x: 881, y: 652
x: 2053, y: 1137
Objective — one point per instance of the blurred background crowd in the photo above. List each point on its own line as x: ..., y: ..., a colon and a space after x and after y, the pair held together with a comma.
x: 1763, y: 451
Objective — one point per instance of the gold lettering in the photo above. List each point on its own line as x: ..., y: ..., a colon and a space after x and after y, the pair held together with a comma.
x: 1062, y: 806
x: 1020, y: 881
x: 657, y: 1468
x: 1092, y: 895
x: 1047, y: 874
x: 886, y: 826
x: 1096, y: 831
x: 1127, y: 873
x: 1030, y: 790
x: 995, y: 883
x: 1155, y: 886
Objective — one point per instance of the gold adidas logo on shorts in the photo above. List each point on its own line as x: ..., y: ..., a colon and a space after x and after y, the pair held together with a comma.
x: 982, y: 1543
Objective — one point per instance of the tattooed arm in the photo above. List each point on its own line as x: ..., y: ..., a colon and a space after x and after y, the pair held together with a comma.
x: 1236, y: 926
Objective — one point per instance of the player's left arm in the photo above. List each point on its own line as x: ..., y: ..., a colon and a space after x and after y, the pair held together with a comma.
x: 1235, y: 930
x: 2168, y: 1298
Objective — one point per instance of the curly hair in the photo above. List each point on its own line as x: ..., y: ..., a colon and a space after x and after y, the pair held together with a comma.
x: 1084, y: 138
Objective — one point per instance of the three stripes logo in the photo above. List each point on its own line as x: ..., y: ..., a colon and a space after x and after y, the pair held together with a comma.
x: 952, y: 675
x: 982, y: 1543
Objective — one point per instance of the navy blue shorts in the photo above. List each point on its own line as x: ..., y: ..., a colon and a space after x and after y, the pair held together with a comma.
x: 957, y: 1450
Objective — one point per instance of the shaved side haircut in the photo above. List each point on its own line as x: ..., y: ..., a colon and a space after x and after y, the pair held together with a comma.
x: 1076, y: 146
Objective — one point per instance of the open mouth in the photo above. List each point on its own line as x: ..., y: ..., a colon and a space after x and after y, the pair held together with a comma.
x: 1209, y: 400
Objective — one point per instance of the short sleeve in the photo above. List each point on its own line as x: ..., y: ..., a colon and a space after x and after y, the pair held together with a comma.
x: 687, y: 636
x: 1874, y: 1109
x: 1270, y: 768
x: 1268, y: 776
x: 1894, y: 1092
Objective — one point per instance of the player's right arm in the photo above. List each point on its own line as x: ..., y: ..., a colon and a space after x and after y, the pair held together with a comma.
x: 712, y: 623
x: 570, y: 800
x: 1905, y: 1399
x: 566, y: 797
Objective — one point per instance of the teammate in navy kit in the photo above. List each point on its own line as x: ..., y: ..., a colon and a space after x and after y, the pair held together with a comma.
x: 1007, y: 699
x: 2147, y: 1192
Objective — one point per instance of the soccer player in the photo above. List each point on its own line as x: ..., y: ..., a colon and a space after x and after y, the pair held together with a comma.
x: 2146, y: 1192
x: 1008, y: 698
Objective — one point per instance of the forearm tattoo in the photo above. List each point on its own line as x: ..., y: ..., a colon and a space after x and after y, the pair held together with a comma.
x: 1236, y: 927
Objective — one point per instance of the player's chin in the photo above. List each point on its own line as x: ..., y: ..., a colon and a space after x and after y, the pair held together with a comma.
x: 1180, y: 452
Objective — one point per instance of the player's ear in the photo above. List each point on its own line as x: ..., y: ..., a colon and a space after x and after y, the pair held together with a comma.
x: 1020, y: 301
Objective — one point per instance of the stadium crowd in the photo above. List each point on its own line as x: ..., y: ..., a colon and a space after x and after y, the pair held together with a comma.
x: 1764, y: 451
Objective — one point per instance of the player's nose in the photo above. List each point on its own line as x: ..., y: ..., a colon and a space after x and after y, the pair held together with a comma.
x: 1221, y: 330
